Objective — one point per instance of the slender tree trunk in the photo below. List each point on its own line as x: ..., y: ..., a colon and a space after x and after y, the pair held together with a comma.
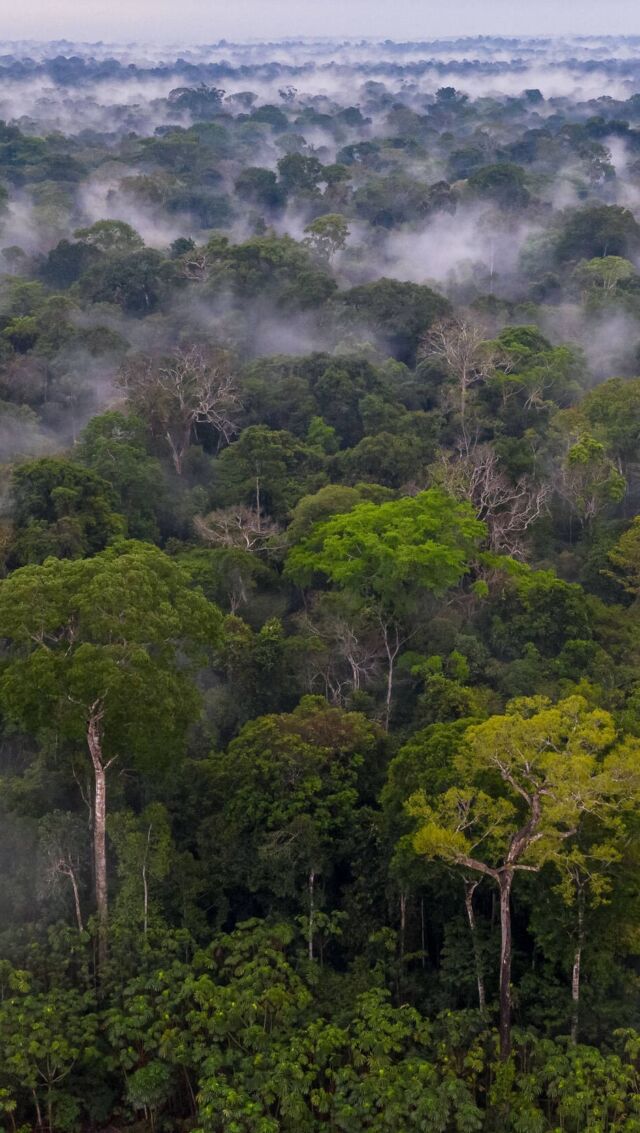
x: 312, y: 912
x: 392, y: 648
x: 422, y: 934
x: 506, y: 881
x: 76, y: 898
x: 575, y: 974
x: 403, y: 923
x: 94, y: 741
x: 463, y: 409
x: 192, y: 1096
x: 145, y: 886
x: 176, y: 453
x: 387, y: 709
x: 469, y: 889
x: 37, y: 1108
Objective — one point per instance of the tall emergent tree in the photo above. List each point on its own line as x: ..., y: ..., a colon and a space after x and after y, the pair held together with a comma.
x: 98, y: 654
x: 526, y: 778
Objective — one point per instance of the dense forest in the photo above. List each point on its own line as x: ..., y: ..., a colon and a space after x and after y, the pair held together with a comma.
x: 319, y: 594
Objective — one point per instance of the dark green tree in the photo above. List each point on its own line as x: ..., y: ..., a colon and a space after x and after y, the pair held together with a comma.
x: 96, y: 654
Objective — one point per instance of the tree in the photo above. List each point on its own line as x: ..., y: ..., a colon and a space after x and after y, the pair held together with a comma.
x: 61, y: 843
x: 468, y: 358
x: 330, y: 500
x: 143, y: 848
x: 385, y: 458
x: 327, y: 235
x: 229, y: 576
x: 61, y: 508
x: 343, y: 646
x: 133, y: 280
x: 613, y: 412
x: 65, y: 263
x: 586, y: 879
x: 341, y: 388
x: 398, y: 198
x: 200, y: 101
x: 387, y: 554
x: 525, y: 779
x: 597, y: 231
x: 241, y: 527
x: 260, y: 187
x: 504, y: 184
x: 95, y: 652
x: 536, y: 607
x: 111, y: 236
x: 175, y: 395
x: 20, y: 433
x: 22, y: 333
x: 44, y: 1037
x: 508, y: 507
x: 276, y: 268
x: 602, y: 275
x: 114, y: 446
x: 401, y: 313
x: 532, y: 377
x: 589, y: 479
x: 268, y: 470
x: 624, y: 557
x: 289, y: 785
x: 299, y: 172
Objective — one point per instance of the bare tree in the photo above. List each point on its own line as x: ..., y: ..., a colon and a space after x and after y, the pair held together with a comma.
x: 62, y: 846
x: 507, y: 507
x: 349, y: 649
x: 242, y: 527
x: 174, y: 395
x: 197, y: 268
x: 393, y: 643
x: 469, y: 358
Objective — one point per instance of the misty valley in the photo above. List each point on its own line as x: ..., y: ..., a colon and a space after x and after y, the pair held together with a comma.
x: 320, y: 586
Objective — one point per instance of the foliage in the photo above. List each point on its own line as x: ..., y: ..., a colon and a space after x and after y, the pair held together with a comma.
x: 379, y: 549
x: 319, y: 567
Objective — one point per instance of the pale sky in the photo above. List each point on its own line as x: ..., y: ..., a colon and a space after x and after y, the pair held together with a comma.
x: 193, y: 21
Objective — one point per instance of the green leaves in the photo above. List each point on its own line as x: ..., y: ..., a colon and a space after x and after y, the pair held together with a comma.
x: 47, y: 1040
x: 540, y: 764
x: 105, y: 629
x: 61, y: 509
x: 387, y: 551
x: 288, y: 790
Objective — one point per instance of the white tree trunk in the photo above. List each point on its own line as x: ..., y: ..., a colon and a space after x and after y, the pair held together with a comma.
x: 575, y: 974
x: 469, y: 889
x: 94, y: 741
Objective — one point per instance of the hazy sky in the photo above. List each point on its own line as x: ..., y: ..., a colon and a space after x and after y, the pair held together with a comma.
x: 207, y: 20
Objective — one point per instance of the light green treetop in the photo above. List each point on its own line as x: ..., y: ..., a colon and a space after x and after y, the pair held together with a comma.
x: 525, y: 779
x: 383, y: 551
